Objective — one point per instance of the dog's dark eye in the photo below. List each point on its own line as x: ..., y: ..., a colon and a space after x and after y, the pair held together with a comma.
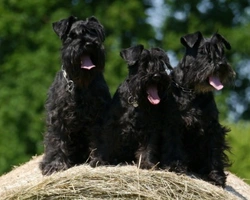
x: 92, y: 32
x: 201, y: 51
x: 72, y: 35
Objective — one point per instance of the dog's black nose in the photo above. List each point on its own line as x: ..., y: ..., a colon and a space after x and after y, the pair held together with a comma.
x: 156, y: 77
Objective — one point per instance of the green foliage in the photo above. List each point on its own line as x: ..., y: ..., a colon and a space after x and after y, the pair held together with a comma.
x: 238, y: 139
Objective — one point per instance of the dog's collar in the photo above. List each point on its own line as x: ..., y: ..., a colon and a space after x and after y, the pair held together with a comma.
x: 70, y: 84
x: 186, y: 90
x: 131, y: 99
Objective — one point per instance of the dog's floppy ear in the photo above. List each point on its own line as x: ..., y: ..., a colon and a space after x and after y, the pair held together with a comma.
x: 190, y: 40
x: 219, y: 38
x: 93, y: 19
x: 98, y: 26
x: 131, y: 54
x: 62, y: 27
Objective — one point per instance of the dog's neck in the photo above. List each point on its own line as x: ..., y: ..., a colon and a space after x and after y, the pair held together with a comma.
x: 77, y: 82
x: 185, y: 90
x: 177, y: 77
x: 178, y: 90
x: 189, y: 97
x: 132, y: 99
x: 69, y: 83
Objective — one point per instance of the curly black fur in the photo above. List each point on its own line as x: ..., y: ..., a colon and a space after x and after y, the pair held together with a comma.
x: 195, y: 140
x: 78, y: 96
x: 133, y: 126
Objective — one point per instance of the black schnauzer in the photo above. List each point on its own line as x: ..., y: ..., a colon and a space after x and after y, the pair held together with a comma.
x: 78, y: 96
x: 133, y: 126
x: 195, y: 140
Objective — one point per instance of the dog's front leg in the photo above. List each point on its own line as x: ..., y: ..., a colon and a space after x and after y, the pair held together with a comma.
x: 173, y: 157
x: 148, y: 152
x: 216, y: 160
x: 54, y: 159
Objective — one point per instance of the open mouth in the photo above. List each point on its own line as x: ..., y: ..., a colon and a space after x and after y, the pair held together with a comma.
x: 215, y: 82
x: 153, y: 96
x: 86, y: 62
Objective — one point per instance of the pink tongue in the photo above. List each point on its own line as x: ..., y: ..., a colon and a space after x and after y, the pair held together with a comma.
x: 153, y: 95
x: 215, y: 82
x: 86, y: 63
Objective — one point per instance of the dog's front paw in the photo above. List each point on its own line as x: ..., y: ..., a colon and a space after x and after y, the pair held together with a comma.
x: 217, y: 178
x: 176, y: 166
x: 52, y: 167
x: 147, y: 165
x: 95, y: 162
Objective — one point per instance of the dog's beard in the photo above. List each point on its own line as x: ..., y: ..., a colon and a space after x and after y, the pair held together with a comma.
x: 213, y: 82
x: 206, y: 79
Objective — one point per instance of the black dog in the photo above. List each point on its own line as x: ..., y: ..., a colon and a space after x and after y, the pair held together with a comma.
x: 133, y: 126
x: 195, y: 140
x: 78, y: 96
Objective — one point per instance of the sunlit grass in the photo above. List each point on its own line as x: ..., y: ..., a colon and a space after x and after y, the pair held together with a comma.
x: 239, y: 140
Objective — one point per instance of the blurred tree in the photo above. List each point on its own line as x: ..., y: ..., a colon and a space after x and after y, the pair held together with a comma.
x: 30, y: 57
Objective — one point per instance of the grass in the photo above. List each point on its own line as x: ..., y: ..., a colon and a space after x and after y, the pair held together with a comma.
x: 239, y: 139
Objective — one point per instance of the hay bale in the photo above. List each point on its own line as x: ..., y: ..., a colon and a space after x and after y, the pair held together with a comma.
x: 121, y: 182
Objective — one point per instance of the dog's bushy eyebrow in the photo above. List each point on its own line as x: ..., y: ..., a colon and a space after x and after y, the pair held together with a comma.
x: 95, y: 25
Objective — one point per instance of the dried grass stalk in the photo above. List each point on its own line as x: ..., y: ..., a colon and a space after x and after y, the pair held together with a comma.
x: 120, y: 182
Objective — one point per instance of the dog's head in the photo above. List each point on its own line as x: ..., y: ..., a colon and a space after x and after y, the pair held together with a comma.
x: 148, y: 73
x: 204, y: 65
x: 82, y: 41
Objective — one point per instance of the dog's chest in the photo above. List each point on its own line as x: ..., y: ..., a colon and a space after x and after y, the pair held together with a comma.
x: 199, y: 112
